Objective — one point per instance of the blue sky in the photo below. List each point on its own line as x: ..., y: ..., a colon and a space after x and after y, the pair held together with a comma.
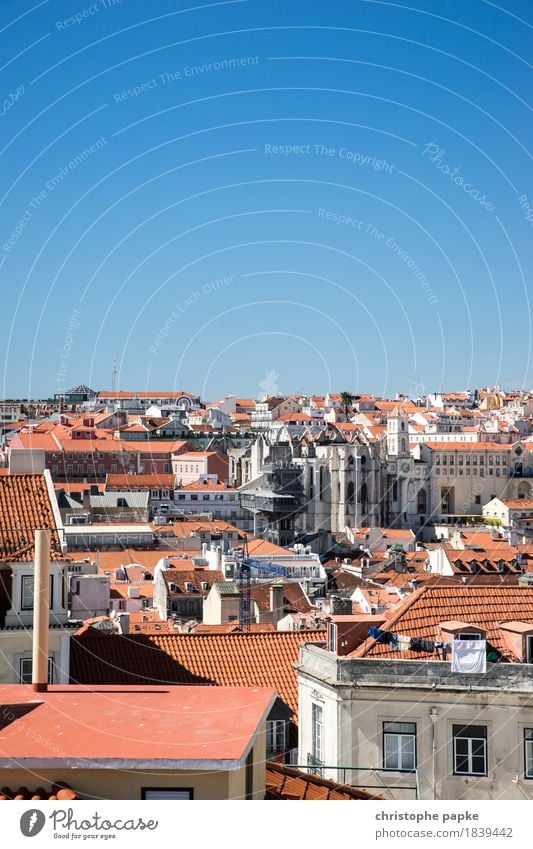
x: 250, y: 196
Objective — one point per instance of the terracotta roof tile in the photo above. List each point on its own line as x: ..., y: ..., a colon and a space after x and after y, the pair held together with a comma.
x: 285, y: 782
x: 58, y: 792
x: 239, y: 660
x: 485, y: 606
x: 25, y: 506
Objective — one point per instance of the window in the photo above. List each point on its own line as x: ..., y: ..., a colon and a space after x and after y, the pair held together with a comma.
x: 399, y: 745
x: 469, y: 750
x: 276, y: 735
x: 27, y: 590
x: 26, y: 666
x: 528, y: 752
x: 332, y: 637
x: 317, y: 731
x: 468, y: 635
x: 529, y: 648
x: 158, y: 793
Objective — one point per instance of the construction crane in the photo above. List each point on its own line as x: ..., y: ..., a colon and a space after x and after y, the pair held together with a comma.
x: 244, y: 582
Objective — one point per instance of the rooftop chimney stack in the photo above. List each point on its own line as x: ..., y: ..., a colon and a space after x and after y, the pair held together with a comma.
x: 41, y: 611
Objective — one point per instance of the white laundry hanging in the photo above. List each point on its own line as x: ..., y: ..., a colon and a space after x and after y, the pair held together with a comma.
x: 469, y: 656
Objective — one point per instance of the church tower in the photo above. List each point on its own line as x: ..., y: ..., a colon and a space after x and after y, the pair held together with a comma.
x: 398, y: 433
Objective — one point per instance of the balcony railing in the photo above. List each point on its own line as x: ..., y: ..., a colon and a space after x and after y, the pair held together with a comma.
x: 315, y: 765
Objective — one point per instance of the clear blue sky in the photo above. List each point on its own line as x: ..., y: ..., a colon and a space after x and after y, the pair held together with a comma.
x: 266, y: 196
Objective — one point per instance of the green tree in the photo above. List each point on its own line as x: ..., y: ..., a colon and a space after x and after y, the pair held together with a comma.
x: 346, y: 401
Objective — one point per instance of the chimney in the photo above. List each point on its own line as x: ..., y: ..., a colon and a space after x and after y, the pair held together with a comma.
x: 124, y: 623
x: 41, y: 611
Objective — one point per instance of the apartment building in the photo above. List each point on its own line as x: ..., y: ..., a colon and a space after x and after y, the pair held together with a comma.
x: 370, y: 707
x: 27, y: 502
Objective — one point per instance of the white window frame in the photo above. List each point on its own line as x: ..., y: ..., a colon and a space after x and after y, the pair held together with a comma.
x: 317, y: 731
x: 469, y: 635
x: 23, y: 581
x: 276, y: 736
x: 394, y: 746
x: 25, y: 677
x: 332, y: 637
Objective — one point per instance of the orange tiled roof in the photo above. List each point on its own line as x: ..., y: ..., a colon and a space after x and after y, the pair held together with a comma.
x: 164, y: 481
x: 239, y: 660
x: 484, y: 606
x: 198, y: 486
x: 294, y: 598
x: 194, y: 577
x: 58, y: 792
x: 25, y: 506
x: 285, y: 782
x: 231, y: 627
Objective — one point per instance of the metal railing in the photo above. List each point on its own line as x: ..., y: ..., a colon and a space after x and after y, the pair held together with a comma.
x: 318, y: 768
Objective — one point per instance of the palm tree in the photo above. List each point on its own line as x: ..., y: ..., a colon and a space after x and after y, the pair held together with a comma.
x: 346, y: 401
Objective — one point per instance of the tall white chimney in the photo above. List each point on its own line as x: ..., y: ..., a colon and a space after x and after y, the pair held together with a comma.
x: 41, y: 611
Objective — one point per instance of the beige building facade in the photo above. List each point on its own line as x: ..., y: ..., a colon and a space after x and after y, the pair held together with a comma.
x: 415, y: 729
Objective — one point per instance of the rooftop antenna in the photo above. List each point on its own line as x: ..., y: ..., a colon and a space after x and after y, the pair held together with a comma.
x: 114, y: 373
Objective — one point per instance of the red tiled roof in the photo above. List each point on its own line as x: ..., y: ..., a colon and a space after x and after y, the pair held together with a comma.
x: 58, y: 792
x: 294, y: 598
x: 485, y: 606
x: 198, y: 486
x: 125, y: 725
x: 231, y: 627
x: 194, y: 577
x: 25, y: 506
x: 162, y: 481
x: 285, y: 782
x: 238, y: 660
